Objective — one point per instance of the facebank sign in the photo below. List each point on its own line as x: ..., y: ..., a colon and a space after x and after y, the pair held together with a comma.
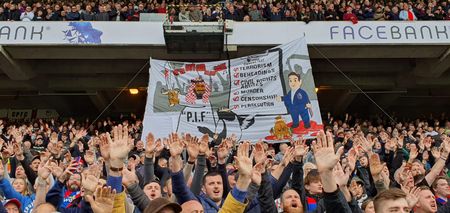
x: 269, y: 33
x: 387, y: 32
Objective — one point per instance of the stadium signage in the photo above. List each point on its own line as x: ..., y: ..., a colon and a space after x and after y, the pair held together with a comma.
x: 151, y: 33
x: 383, y: 32
x: 21, y: 33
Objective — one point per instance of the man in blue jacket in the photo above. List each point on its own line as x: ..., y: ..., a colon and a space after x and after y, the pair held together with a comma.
x: 297, y: 101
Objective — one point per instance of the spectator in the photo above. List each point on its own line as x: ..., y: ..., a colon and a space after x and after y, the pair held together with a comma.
x: 379, y: 14
x: 349, y: 15
x: 439, y: 14
x: 173, y: 17
x: 184, y: 15
x: 331, y: 14
x: 102, y: 15
x: 288, y: 16
x: 3, y: 16
x: 39, y: 16
x: 231, y: 14
x: 420, y: 11
x: 195, y: 15
x: 407, y: 14
x: 240, y: 12
x: 441, y: 190
x: 356, y: 165
x: 14, y: 13
x: 87, y: 15
x: 275, y: 15
x: 255, y: 13
x: 316, y: 14
x: 73, y: 15
x: 394, y: 15
x: 27, y: 15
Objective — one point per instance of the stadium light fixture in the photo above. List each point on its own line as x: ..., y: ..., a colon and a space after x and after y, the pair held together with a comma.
x: 317, y: 89
x: 134, y: 91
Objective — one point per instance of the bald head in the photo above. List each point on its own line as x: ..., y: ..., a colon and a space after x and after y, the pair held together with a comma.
x: 192, y: 206
x: 44, y: 208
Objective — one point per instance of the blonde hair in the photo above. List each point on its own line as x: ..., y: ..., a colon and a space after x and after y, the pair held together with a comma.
x: 26, y: 190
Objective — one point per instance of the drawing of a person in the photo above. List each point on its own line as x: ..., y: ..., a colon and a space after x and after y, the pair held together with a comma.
x: 297, y: 102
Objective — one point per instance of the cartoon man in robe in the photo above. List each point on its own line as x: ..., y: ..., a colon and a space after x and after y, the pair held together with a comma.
x: 297, y: 102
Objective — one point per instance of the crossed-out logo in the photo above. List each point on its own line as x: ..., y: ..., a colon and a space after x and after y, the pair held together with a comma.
x: 82, y: 33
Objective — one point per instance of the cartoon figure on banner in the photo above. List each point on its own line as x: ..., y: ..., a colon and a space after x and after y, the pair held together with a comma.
x: 198, y: 90
x: 172, y: 95
x: 171, y: 92
x: 280, y: 130
x: 297, y: 102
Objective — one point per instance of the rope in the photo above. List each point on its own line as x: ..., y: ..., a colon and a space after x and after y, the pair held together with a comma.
x: 354, y: 84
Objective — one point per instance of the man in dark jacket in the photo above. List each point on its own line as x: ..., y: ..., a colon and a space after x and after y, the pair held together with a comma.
x: 73, y: 15
x: 316, y: 14
x: 3, y: 16
x: 102, y: 15
x: 14, y: 13
x: 87, y: 15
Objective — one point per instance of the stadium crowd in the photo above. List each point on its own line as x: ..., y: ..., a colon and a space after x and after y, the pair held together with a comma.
x: 197, y: 11
x: 355, y: 165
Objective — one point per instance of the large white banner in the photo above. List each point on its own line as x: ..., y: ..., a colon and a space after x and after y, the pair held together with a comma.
x: 269, y: 96
x: 151, y: 33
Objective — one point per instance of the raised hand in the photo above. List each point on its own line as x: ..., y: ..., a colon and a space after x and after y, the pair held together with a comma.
x: 9, y: 149
x: 326, y: 158
x: 159, y: 147
x: 352, y: 159
x: 341, y: 177
x: 18, y: 151
x: 366, y: 144
x: 288, y: 156
x: 44, y: 170
x: 192, y: 147
x: 89, y: 183
x: 150, y: 145
x: 80, y: 134
x: 54, y: 138
x: 257, y: 172
x: 222, y: 153
x: 18, y: 137
x: 300, y: 149
x: 258, y: 153
x: 129, y: 176
x: 204, y: 141
x: 118, y: 149
x: 413, y: 154
x: 67, y: 172
x: 105, y: 141
x: 243, y: 161
x: 175, y: 145
x: 104, y: 200
x: 436, y: 153
x: 89, y: 157
x: 412, y: 196
x: 375, y: 165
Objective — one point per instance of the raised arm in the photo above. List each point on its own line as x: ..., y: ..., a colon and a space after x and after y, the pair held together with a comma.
x: 440, y: 163
x: 196, y: 184
x: 149, y: 161
x: 44, y: 172
x: 235, y: 201
x: 181, y: 191
x: 326, y: 160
